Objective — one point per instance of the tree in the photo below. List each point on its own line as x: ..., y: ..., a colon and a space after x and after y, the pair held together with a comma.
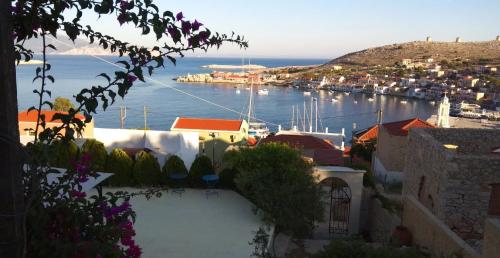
x: 278, y: 181
x: 63, y: 104
x: 120, y: 164
x: 201, y: 166
x: 55, y: 226
x: 146, y: 171
x: 97, y: 152
x: 63, y: 154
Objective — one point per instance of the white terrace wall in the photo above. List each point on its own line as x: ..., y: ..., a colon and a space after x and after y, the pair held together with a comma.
x: 429, y: 232
x: 183, y: 144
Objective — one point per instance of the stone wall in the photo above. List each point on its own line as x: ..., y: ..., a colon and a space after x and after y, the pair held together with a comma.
x: 453, y: 185
x: 391, y: 150
x: 432, y: 234
x: 492, y: 238
x: 381, y: 222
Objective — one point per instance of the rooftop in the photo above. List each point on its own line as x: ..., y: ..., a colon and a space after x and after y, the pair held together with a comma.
x: 208, y: 124
x: 32, y: 116
x: 401, y: 128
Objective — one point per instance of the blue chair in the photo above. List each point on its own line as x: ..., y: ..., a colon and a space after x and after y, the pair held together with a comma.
x: 211, y: 183
x: 178, y: 182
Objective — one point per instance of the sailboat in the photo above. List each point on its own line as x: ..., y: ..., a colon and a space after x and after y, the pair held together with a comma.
x: 255, y: 129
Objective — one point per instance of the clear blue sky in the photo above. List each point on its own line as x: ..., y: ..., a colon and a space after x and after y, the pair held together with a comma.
x: 328, y: 28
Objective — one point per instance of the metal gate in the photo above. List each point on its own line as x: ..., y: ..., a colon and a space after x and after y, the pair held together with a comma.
x: 340, y: 203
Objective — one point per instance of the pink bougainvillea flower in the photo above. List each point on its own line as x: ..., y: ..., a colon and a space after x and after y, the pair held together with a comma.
x: 196, y: 25
x: 123, y: 5
x: 131, y: 78
x: 122, y: 18
x: 179, y: 16
x: 186, y: 27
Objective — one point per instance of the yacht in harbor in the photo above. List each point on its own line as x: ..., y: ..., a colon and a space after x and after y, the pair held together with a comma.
x: 256, y: 130
x: 307, y: 93
x: 263, y: 92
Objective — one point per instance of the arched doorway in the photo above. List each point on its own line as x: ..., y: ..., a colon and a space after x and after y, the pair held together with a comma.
x: 339, y: 208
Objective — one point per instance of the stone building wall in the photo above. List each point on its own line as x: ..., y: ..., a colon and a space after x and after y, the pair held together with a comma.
x: 431, y: 233
x: 381, y: 222
x: 391, y: 150
x: 453, y: 185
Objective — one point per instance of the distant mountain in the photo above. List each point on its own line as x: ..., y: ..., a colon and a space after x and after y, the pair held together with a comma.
x: 65, y: 46
x: 475, y: 52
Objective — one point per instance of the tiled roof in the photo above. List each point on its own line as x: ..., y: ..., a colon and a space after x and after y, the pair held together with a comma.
x: 207, y: 124
x: 32, y: 116
x: 401, y: 128
x: 300, y: 141
x: 367, y: 134
x: 321, y: 151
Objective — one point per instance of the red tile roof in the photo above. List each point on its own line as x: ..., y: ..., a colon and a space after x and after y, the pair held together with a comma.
x: 322, y: 151
x: 300, y: 141
x: 401, y: 128
x: 367, y: 134
x: 32, y: 116
x: 207, y: 124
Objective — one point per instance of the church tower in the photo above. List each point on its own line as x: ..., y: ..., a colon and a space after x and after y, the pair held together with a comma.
x: 443, y: 118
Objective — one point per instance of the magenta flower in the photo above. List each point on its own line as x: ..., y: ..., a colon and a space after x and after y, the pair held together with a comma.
x: 123, y: 5
x: 186, y: 27
x: 203, y: 36
x: 122, y: 18
x: 196, y: 25
x: 131, y: 78
x: 77, y: 194
x: 179, y: 16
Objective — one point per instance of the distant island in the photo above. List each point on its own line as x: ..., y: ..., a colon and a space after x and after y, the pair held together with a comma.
x: 30, y: 62
x: 231, y: 67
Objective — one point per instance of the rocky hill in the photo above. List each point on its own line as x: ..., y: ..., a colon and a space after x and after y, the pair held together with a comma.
x: 475, y: 52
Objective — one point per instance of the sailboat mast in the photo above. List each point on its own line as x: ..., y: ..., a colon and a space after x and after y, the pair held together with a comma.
x: 316, y: 104
x: 304, y: 120
x: 250, y: 103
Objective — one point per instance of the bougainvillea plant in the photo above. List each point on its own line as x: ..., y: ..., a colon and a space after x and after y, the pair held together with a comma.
x: 61, y: 220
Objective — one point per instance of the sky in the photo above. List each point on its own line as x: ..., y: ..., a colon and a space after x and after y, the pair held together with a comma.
x: 325, y: 28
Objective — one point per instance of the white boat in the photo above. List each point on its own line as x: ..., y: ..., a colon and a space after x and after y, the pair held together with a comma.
x: 330, y: 92
x: 334, y: 100
x: 238, y: 91
x: 263, y: 92
x: 337, y: 97
x: 355, y: 102
x: 433, y: 103
x: 247, y: 88
x: 403, y: 101
x: 255, y: 129
x: 307, y: 93
x: 347, y: 93
x: 370, y: 99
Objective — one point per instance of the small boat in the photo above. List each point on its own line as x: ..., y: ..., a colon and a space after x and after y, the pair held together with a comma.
x: 355, y: 102
x: 307, y: 93
x: 238, y: 91
x: 330, y: 92
x: 334, y: 101
x: 403, y: 101
x: 370, y: 99
x: 337, y: 97
x: 433, y: 103
x: 263, y: 92
x: 347, y: 93
x: 247, y: 88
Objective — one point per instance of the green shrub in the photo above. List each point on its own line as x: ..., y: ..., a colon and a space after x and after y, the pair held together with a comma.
x: 226, y: 178
x: 146, y: 171
x: 275, y: 178
x: 120, y: 164
x: 63, y: 153
x: 173, y: 165
x: 97, y: 152
x: 201, y: 166
x: 360, y: 249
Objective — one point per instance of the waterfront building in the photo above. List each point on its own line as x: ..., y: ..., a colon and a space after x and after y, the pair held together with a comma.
x: 215, y: 135
x: 27, y: 123
x: 443, y: 119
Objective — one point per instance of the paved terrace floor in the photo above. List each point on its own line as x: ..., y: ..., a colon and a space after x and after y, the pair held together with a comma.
x: 192, y: 226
